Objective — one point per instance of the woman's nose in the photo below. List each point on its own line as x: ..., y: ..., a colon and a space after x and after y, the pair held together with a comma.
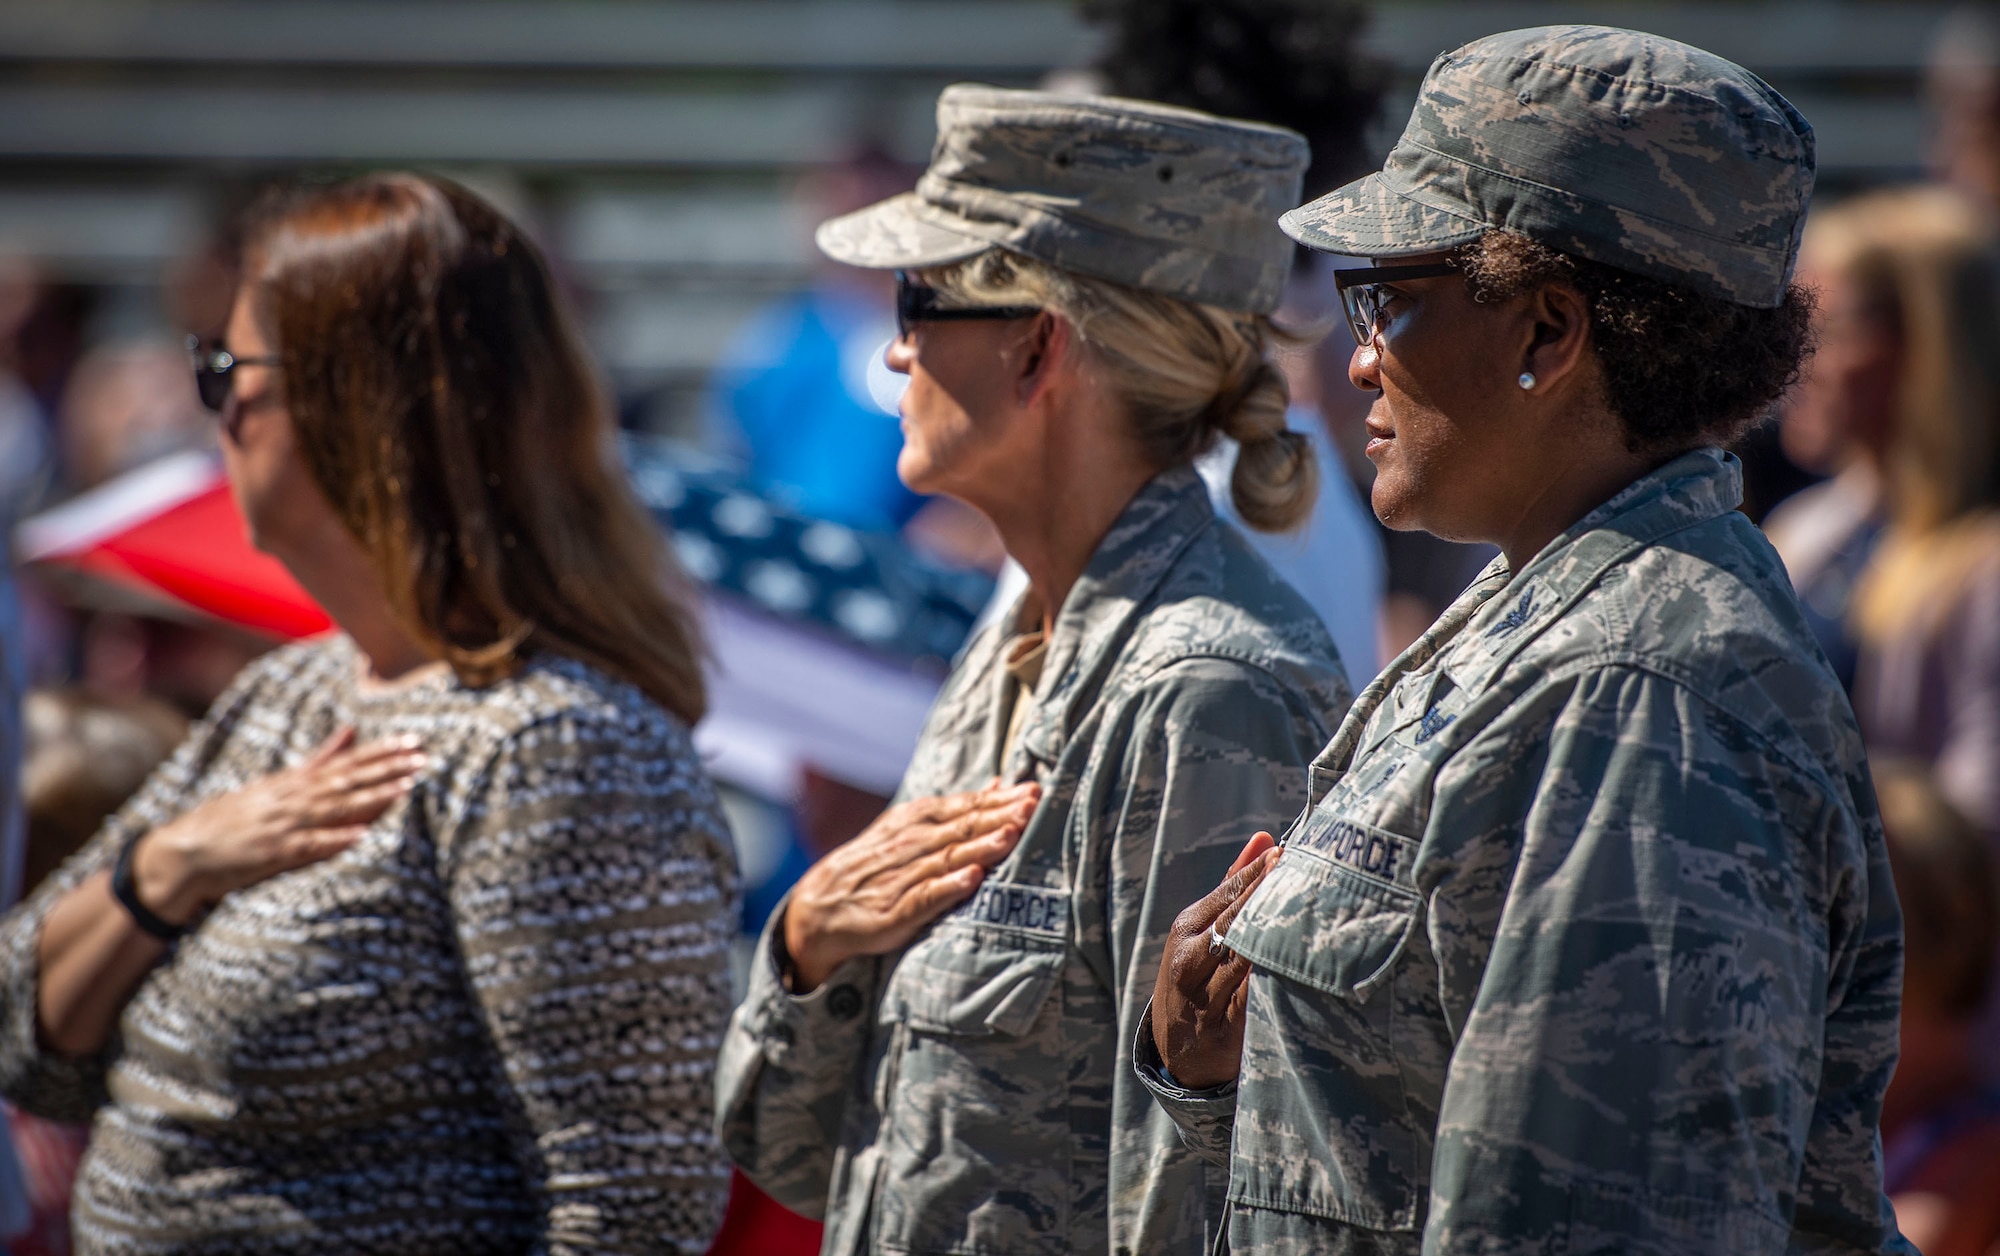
x: 889, y: 376
x: 1364, y: 368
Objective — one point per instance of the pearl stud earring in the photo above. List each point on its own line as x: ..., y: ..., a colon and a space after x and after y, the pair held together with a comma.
x: 1527, y: 379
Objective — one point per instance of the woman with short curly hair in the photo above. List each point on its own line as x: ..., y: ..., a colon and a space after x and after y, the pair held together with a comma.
x: 1588, y: 942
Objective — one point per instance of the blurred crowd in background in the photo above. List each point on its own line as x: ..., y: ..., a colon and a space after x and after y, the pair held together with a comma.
x: 1879, y: 482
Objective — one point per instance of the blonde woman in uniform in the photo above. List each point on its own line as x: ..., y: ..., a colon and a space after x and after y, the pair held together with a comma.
x: 935, y: 1051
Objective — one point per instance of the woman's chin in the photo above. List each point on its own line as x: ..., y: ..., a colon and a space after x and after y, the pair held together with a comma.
x: 253, y: 532
x: 1393, y: 504
x: 916, y: 472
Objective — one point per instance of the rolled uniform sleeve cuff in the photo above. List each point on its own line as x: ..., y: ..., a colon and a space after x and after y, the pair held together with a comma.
x: 784, y: 1022
x: 1205, y: 1118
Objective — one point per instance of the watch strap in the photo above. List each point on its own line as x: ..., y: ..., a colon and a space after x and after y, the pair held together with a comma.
x: 127, y: 893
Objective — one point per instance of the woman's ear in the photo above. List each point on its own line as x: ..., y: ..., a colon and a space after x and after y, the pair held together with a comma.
x: 1039, y: 356
x: 1559, y: 321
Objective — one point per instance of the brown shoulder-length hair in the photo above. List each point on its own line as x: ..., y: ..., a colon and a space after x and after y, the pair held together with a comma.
x: 441, y: 399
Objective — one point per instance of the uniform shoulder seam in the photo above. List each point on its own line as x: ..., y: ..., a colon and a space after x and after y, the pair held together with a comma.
x: 1260, y: 661
x: 1664, y: 669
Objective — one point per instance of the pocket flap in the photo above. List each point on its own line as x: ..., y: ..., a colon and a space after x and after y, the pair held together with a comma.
x: 1320, y: 923
x: 983, y: 969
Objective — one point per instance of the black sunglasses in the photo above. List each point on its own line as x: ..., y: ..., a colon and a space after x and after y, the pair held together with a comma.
x: 212, y: 365
x: 1361, y: 292
x: 918, y: 304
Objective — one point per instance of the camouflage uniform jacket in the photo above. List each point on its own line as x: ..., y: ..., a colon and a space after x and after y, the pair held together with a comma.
x: 972, y: 1093
x: 1588, y: 943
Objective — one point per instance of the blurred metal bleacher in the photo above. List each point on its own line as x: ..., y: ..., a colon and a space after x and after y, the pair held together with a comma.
x: 656, y: 144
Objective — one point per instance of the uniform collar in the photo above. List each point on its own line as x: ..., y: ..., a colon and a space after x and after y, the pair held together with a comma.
x: 1692, y: 489
x: 1501, y: 612
x: 1116, y: 586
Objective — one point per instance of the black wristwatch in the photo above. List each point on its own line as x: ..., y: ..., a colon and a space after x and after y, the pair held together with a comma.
x: 127, y: 895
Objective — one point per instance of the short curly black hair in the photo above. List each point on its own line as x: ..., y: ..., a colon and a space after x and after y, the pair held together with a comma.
x: 1680, y: 368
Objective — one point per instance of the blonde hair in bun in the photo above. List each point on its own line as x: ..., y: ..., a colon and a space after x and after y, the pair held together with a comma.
x: 1187, y: 373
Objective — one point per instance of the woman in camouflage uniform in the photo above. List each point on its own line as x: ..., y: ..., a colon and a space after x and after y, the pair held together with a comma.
x: 1588, y: 943
x: 1084, y: 309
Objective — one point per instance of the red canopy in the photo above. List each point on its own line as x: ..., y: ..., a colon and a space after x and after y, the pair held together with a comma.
x: 171, y: 529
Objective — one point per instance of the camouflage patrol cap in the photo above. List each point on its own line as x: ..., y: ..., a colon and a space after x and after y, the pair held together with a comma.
x: 1155, y: 197
x: 1611, y: 145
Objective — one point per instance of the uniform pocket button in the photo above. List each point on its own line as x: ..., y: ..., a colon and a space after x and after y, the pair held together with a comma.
x: 843, y: 1002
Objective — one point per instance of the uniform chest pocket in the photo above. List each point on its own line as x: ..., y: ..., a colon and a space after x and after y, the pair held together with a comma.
x: 976, y: 1113
x: 1328, y: 916
x: 970, y: 976
x: 1333, y: 1135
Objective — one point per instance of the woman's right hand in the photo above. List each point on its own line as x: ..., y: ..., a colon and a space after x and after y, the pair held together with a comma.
x: 918, y: 860
x: 1200, y: 997
x: 286, y: 820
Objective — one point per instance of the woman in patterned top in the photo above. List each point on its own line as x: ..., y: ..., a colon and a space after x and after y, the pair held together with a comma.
x: 418, y: 944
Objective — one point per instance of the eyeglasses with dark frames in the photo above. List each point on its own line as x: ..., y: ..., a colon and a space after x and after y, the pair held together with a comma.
x: 916, y: 303
x: 212, y: 366
x: 1361, y: 295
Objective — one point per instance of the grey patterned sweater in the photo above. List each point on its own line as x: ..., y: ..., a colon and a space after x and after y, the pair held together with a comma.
x: 490, y: 1027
